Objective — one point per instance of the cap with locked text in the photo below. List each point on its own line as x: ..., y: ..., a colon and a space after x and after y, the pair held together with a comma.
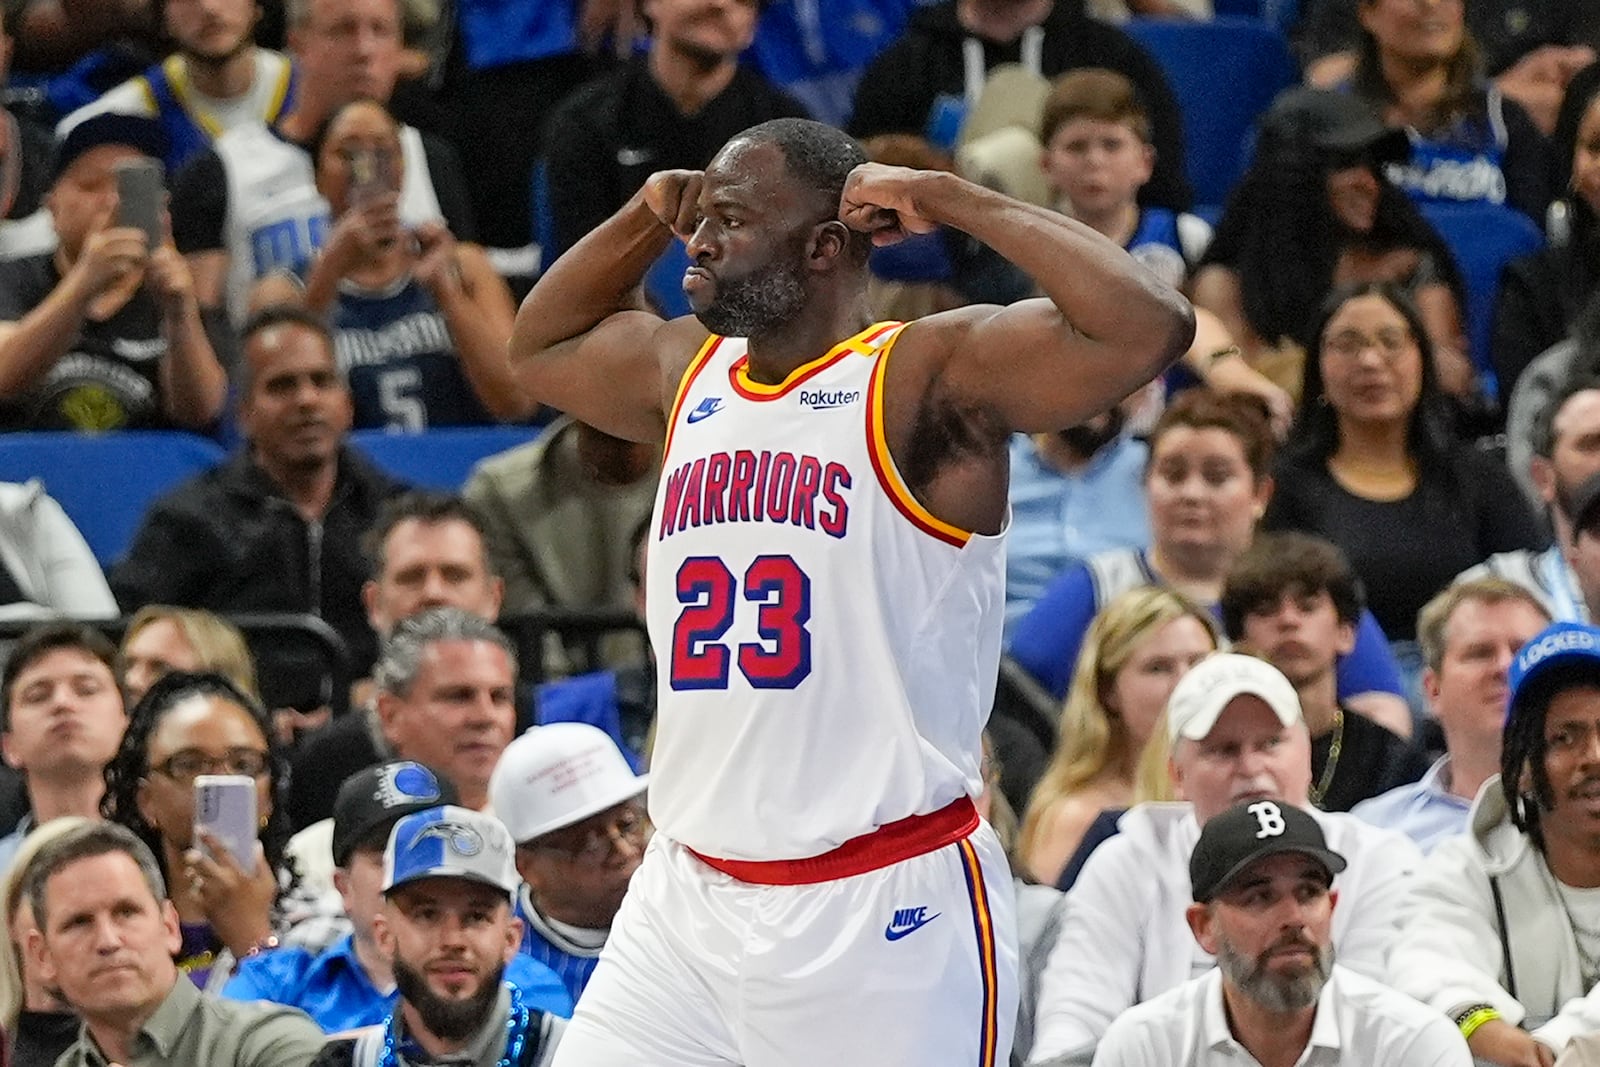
x: 1563, y: 649
x: 1233, y: 841
x: 450, y: 842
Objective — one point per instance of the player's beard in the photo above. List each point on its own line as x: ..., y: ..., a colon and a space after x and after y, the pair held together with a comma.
x: 452, y: 1020
x: 771, y: 297
x: 1277, y: 993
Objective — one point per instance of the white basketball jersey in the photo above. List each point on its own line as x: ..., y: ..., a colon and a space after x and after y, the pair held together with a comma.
x: 826, y: 648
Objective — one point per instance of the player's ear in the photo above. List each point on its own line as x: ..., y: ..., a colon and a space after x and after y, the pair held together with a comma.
x: 829, y: 241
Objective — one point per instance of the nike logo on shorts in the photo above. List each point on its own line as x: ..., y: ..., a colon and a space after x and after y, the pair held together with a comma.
x: 908, y: 921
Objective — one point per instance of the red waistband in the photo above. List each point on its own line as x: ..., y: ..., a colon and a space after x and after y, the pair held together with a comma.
x: 887, y: 845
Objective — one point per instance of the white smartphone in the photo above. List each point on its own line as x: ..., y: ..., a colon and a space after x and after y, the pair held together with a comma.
x: 225, y: 808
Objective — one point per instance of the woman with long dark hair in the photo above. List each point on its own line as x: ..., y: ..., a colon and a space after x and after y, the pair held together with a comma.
x: 1313, y: 211
x: 1418, y: 65
x: 1372, y: 464
x: 187, y: 725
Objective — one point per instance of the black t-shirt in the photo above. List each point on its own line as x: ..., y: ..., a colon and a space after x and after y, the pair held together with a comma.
x: 610, y: 135
x: 108, y: 378
x: 1372, y: 760
x: 1407, y: 550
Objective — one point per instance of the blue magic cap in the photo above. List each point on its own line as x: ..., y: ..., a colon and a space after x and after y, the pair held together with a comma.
x: 1562, y: 648
x: 451, y: 842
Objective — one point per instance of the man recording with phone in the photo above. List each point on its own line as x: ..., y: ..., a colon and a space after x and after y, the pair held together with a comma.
x: 105, y: 333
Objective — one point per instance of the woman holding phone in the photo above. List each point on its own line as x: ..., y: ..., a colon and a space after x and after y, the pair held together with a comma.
x: 421, y: 323
x: 185, y: 727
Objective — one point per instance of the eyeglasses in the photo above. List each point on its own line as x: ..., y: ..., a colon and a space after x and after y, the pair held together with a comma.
x: 596, y: 845
x: 189, y: 764
x: 1351, y: 343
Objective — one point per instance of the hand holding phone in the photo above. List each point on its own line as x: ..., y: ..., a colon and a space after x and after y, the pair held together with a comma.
x: 225, y: 808
x: 141, y: 198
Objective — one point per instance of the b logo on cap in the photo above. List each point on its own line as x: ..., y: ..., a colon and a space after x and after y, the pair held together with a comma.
x: 1269, y: 816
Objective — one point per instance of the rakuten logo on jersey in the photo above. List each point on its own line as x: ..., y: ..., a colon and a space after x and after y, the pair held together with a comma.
x: 826, y: 399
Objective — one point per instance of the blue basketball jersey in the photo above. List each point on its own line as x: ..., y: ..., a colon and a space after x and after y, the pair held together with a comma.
x: 395, y: 350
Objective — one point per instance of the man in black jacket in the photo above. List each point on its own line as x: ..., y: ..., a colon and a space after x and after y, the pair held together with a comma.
x: 671, y: 108
x: 941, y: 61
x: 278, y: 527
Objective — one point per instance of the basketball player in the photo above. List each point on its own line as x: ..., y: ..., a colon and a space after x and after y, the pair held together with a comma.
x: 825, y: 591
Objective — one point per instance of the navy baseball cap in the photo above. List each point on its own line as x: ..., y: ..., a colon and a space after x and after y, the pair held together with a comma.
x: 1560, y: 649
x: 144, y: 135
x: 1233, y: 841
x: 378, y: 797
x: 451, y: 842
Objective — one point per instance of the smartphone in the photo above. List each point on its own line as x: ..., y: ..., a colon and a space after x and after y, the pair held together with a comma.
x: 368, y: 177
x: 141, y: 197
x: 225, y: 808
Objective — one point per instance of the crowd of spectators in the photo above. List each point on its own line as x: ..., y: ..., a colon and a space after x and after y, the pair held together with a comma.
x: 1330, y: 580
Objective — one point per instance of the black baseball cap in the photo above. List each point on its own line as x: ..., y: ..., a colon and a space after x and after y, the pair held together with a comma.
x: 143, y: 135
x: 1247, y: 832
x: 1336, y: 123
x: 380, y: 796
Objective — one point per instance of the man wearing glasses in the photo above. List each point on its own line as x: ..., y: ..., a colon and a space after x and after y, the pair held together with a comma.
x: 576, y: 811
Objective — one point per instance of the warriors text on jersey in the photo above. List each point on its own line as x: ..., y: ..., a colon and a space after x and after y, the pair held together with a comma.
x: 827, y: 648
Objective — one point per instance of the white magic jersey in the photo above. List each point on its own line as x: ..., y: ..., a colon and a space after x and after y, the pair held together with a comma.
x: 826, y: 648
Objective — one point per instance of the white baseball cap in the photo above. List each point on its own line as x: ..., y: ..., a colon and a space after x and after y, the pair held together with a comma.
x: 1211, y: 685
x: 559, y: 774
x: 450, y: 842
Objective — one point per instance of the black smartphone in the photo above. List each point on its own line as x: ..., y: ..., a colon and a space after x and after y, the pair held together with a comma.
x: 141, y: 197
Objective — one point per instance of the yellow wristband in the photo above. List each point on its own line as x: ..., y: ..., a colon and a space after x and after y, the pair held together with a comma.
x: 1469, y: 1024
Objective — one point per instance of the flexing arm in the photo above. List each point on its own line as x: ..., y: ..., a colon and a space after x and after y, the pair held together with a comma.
x: 578, y: 345
x: 1105, y: 327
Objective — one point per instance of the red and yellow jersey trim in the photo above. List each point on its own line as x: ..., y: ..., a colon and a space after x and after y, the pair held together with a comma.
x: 863, y: 343
x: 690, y: 373
x: 889, y: 475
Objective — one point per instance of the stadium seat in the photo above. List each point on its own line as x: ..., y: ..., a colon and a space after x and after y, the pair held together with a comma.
x: 1484, y: 238
x: 438, y: 459
x: 1224, y: 74
x: 1281, y: 15
x: 106, y: 482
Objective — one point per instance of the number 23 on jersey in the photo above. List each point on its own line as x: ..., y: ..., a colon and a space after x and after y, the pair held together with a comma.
x: 710, y: 594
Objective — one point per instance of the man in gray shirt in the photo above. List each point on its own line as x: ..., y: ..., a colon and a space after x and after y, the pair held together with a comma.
x: 106, y: 937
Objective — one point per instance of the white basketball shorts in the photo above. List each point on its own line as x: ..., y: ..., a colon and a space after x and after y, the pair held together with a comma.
x: 909, y: 965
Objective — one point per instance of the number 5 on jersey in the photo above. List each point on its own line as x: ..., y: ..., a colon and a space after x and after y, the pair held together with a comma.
x: 709, y: 593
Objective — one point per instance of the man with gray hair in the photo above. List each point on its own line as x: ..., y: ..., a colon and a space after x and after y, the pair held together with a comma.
x: 105, y: 937
x: 446, y: 681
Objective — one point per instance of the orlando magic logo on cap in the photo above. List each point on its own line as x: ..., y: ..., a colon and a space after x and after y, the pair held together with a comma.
x: 450, y: 842
x: 371, y: 801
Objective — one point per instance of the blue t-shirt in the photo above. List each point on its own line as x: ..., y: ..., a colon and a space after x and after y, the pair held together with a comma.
x: 1046, y: 641
x: 333, y: 988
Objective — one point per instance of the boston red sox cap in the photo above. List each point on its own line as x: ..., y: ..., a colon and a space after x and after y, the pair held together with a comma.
x: 1233, y: 841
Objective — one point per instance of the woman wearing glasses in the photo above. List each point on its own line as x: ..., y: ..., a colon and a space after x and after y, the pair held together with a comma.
x: 187, y: 725
x: 1371, y: 465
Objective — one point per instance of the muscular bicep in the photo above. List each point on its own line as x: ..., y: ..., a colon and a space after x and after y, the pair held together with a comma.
x: 619, y: 377
x: 1037, y: 372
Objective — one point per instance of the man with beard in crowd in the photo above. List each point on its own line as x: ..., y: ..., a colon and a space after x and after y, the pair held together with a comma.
x: 449, y: 883
x: 1263, y: 888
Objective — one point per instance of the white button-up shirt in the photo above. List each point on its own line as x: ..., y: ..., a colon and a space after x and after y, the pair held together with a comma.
x: 1359, y: 1023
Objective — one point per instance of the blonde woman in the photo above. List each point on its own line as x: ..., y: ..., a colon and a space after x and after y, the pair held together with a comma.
x: 160, y: 639
x: 1133, y: 654
x: 38, y: 1026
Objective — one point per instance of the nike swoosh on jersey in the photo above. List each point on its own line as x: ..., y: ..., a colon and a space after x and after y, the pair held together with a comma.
x: 893, y: 933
